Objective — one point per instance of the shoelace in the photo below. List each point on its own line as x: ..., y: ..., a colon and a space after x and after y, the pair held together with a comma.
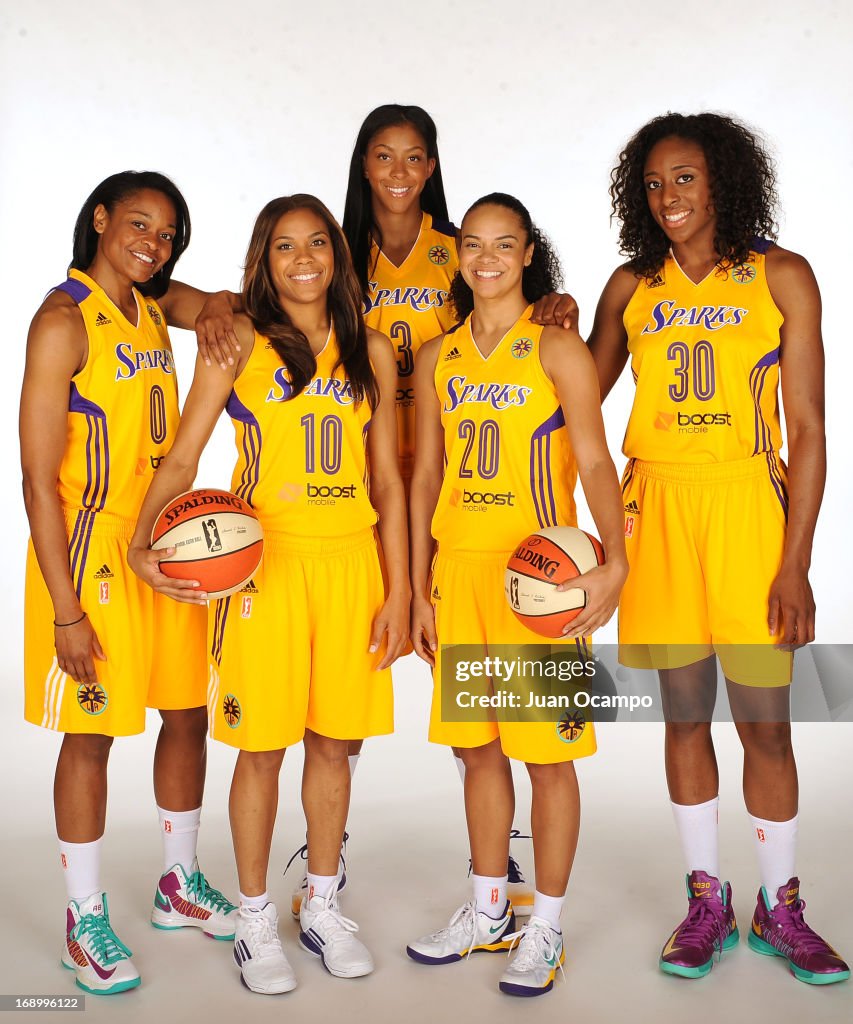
x: 331, y: 913
x: 535, y: 942
x: 199, y: 891
x: 103, y: 940
x: 797, y: 933
x: 302, y: 853
x: 263, y: 933
x: 703, y: 923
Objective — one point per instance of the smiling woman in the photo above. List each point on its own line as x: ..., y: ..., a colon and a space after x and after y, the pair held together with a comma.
x: 99, y: 408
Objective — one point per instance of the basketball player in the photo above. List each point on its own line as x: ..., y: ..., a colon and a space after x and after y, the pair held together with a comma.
x: 714, y: 314
x: 309, y: 380
x: 494, y: 396
x: 99, y: 408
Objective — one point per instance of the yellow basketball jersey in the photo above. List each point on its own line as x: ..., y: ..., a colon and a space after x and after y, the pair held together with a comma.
x: 122, y: 407
x: 409, y: 304
x: 301, y: 461
x: 509, y: 468
x: 705, y: 359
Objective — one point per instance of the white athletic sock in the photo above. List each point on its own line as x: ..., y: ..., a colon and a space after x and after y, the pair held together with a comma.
x: 353, y: 763
x: 776, y: 846
x: 81, y: 867
x: 490, y: 894
x: 698, y: 830
x: 460, y: 767
x: 179, y: 830
x: 321, y: 885
x: 548, y: 908
x: 255, y: 902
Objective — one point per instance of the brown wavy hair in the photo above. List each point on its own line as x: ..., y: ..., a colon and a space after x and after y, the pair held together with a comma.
x: 344, y: 299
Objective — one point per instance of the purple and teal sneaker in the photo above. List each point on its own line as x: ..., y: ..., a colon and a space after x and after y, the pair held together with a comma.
x: 709, y: 928
x: 781, y: 931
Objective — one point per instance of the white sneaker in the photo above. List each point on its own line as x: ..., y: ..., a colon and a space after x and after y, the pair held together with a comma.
x: 189, y: 901
x: 326, y: 933
x: 301, y: 891
x: 94, y: 951
x: 258, y: 953
x: 538, y: 958
x: 469, y: 932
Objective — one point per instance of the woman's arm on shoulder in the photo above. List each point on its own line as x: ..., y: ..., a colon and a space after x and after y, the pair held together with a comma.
x: 209, y: 314
x: 57, y: 349
x: 608, y: 341
x: 795, y: 292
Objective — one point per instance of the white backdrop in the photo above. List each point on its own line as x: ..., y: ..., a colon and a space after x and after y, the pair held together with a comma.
x: 242, y: 102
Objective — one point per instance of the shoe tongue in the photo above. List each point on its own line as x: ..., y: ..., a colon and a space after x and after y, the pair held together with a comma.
x: 95, y: 904
x: 703, y: 886
x: 788, y: 893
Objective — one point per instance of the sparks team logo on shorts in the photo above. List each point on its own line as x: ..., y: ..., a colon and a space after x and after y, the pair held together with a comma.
x: 246, y: 608
x: 664, y: 420
x: 439, y: 255
x: 104, y: 592
x: 155, y: 316
x: 232, y: 711
x: 522, y: 347
x: 571, y: 727
x: 744, y: 274
x: 92, y: 698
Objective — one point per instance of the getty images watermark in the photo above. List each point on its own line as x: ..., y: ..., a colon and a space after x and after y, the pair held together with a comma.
x: 541, y: 682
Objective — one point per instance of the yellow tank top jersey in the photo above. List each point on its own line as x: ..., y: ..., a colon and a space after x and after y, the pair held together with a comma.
x: 509, y: 468
x: 705, y: 360
x: 409, y: 303
x: 301, y: 461
x: 122, y: 407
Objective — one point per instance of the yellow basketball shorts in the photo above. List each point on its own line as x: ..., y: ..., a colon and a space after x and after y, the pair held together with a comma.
x: 467, y: 594
x: 290, y: 651
x: 154, y: 646
x: 704, y: 545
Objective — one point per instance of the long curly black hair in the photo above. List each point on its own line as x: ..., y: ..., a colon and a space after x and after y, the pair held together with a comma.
x: 543, y: 276
x: 743, y: 183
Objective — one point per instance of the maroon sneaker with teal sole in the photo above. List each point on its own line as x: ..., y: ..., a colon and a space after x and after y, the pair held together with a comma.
x: 709, y: 928
x: 781, y: 931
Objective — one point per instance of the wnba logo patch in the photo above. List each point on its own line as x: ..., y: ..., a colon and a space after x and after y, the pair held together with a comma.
x: 571, y: 727
x: 521, y: 348
x: 439, y: 255
x: 103, y: 592
x: 246, y: 607
x: 744, y: 274
x: 92, y: 698
x: 232, y: 711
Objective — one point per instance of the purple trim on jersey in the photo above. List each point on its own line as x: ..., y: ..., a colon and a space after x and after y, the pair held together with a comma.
x: 445, y: 227
x: 757, y: 376
x: 761, y: 245
x: 220, y: 619
x: 77, y: 557
x: 777, y: 481
x: 540, y: 466
x: 454, y: 328
x: 77, y: 290
x: 97, y: 449
x: 366, y: 476
x: 251, y: 446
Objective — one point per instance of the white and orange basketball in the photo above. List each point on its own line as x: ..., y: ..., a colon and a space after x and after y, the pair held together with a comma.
x: 536, y: 567
x: 217, y: 540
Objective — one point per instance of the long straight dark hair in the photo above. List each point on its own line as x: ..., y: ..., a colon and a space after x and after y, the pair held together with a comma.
x: 115, y: 189
x: 359, y: 224
x: 262, y: 306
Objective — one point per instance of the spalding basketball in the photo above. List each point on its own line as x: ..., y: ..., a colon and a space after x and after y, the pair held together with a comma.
x: 541, y: 562
x: 217, y: 540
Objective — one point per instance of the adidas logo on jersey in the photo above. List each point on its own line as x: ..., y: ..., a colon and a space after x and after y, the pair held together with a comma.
x: 250, y: 588
x: 101, y: 320
x: 656, y: 281
x: 454, y: 353
x: 633, y: 508
x: 104, y: 573
x: 435, y: 594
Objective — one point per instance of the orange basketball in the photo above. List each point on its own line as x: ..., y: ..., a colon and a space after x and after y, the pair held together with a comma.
x: 541, y: 562
x: 217, y: 540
